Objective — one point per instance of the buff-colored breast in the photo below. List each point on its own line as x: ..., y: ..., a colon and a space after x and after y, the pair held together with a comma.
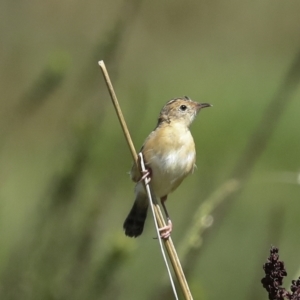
x: 170, y: 153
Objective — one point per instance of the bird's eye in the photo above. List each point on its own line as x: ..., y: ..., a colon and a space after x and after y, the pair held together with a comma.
x: 183, y: 107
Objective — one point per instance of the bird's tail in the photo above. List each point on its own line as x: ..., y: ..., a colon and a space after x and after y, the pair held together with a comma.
x: 134, y: 223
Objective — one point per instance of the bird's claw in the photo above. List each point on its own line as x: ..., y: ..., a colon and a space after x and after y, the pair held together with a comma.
x: 165, y: 231
x: 146, y: 176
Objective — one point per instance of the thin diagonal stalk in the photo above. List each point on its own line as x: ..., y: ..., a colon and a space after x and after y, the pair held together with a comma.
x: 159, y: 217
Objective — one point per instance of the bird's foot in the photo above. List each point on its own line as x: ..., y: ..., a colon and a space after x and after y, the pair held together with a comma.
x: 165, y: 231
x: 146, y: 175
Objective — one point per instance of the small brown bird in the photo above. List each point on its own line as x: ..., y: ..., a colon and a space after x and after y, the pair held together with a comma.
x: 169, y: 155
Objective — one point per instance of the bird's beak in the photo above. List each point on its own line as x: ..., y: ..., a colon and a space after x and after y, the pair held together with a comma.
x: 203, y: 105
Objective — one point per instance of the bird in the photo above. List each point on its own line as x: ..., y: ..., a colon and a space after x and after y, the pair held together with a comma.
x: 169, y: 154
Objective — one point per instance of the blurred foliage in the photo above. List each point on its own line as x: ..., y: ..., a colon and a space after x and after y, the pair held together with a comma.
x: 46, y: 83
x: 64, y: 188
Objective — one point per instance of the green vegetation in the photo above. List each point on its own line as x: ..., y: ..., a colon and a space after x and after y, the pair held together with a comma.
x: 65, y: 191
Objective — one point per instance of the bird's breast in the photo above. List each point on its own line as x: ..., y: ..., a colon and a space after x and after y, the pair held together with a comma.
x: 170, y: 160
x: 174, y: 163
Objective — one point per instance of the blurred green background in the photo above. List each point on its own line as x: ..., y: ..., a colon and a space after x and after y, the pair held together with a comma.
x: 65, y: 191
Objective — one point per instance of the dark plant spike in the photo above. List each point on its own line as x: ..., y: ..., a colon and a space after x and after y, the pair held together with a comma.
x: 275, y: 272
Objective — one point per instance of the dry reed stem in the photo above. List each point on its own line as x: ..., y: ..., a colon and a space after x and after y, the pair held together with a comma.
x: 159, y: 217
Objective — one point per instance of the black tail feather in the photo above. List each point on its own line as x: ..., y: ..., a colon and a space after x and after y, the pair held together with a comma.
x: 134, y: 223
